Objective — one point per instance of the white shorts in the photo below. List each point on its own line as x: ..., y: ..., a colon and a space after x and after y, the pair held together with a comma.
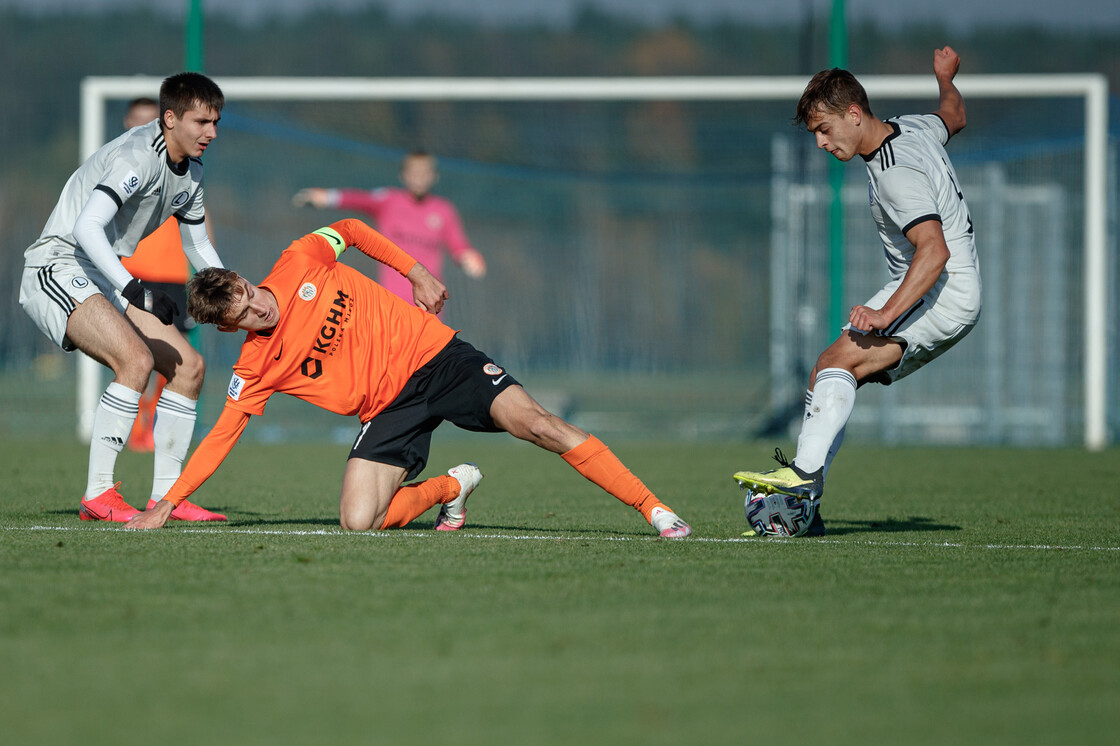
x: 50, y: 293
x: 923, y: 333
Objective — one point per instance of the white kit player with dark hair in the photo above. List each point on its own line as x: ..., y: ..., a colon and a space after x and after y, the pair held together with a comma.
x: 80, y: 295
x: 933, y: 298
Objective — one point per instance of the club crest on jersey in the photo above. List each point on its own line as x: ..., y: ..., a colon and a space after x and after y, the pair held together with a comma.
x: 235, y: 385
x: 308, y: 291
x: 434, y: 221
x: 130, y: 183
x: 80, y: 282
x: 491, y: 370
x: 180, y: 199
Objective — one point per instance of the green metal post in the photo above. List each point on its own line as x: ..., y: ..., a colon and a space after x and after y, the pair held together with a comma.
x: 192, y: 37
x: 838, y: 56
x: 192, y: 62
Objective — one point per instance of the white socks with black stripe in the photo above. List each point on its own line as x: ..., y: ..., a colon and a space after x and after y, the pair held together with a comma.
x: 827, y: 409
x: 172, y: 432
x: 112, y: 423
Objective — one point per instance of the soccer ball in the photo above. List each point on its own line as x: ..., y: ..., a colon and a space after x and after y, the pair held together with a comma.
x: 778, y: 515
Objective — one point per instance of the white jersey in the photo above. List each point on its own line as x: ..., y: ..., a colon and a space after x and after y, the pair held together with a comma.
x: 135, y: 171
x: 911, y: 181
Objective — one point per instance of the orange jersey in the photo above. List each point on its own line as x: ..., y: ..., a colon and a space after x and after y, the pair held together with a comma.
x: 343, y: 342
x: 159, y: 257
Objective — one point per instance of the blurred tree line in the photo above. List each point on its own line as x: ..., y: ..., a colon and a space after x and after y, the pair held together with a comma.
x: 46, y: 56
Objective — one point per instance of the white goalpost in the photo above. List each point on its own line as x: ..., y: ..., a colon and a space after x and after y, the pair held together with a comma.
x: 1091, y: 88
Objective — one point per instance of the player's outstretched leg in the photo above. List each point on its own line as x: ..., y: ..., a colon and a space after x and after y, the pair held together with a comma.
x: 595, y: 461
x: 522, y: 417
x: 453, y: 514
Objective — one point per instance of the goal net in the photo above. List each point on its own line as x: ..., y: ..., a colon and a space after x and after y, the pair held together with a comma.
x: 658, y: 248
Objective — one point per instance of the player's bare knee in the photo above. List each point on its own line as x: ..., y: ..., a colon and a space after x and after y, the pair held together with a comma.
x: 191, y: 370
x: 359, y: 521
x: 133, y: 367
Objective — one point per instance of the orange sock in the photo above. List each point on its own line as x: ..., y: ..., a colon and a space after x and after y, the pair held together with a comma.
x: 413, y: 499
x: 594, y: 460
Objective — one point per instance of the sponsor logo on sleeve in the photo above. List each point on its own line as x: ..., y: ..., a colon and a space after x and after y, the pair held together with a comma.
x: 130, y: 184
x: 235, y: 385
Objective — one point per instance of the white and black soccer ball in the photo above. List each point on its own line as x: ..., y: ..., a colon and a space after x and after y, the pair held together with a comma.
x: 778, y: 515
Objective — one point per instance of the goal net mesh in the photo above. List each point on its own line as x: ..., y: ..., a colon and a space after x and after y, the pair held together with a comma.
x: 660, y: 268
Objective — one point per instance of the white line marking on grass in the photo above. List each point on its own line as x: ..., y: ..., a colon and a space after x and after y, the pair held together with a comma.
x: 575, y: 537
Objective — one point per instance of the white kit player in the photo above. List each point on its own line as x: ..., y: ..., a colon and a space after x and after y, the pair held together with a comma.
x: 80, y: 295
x: 933, y: 298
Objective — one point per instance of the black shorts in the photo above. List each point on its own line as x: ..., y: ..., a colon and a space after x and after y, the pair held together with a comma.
x: 458, y: 385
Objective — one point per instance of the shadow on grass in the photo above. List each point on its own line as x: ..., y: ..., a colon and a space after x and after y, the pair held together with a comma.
x: 255, y: 519
x: 913, y: 524
x: 248, y: 519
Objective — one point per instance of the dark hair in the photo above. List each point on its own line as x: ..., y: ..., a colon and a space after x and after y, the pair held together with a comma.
x: 418, y: 153
x: 833, y: 91
x: 211, y: 292
x: 185, y: 91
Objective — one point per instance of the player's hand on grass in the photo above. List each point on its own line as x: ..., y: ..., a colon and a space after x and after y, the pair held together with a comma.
x: 428, y: 292
x: 153, y: 518
x: 154, y: 301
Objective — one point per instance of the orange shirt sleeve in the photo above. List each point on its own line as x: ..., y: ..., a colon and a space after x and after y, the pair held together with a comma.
x: 209, y: 455
x: 373, y: 244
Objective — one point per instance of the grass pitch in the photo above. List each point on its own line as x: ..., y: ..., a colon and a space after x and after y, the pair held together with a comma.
x: 961, y: 596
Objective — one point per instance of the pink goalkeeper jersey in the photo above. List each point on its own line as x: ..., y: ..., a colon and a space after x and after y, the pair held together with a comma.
x: 422, y: 227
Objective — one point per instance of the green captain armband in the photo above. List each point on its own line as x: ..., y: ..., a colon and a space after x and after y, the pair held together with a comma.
x: 334, y: 238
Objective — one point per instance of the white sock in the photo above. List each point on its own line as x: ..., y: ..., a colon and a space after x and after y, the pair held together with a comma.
x: 832, y: 451
x: 112, y: 422
x: 826, y: 413
x: 172, y: 431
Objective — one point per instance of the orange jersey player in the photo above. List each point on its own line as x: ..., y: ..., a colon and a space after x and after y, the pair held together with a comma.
x: 327, y: 334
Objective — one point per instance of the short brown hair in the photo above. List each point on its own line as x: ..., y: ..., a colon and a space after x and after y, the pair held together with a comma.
x: 833, y: 91
x: 211, y: 292
x: 185, y: 91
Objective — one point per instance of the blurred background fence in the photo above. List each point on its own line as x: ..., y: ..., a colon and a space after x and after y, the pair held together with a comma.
x: 632, y: 249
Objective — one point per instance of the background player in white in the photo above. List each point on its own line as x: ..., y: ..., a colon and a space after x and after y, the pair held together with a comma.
x: 933, y: 298
x: 79, y: 294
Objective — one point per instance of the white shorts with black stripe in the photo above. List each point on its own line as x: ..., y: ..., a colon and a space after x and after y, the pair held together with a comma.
x: 49, y: 293
x: 923, y: 333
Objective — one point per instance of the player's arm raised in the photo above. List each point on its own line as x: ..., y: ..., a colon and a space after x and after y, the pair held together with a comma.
x: 946, y: 63
x: 428, y: 292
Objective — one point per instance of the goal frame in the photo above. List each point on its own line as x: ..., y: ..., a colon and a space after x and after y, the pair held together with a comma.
x: 1092, y: 88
